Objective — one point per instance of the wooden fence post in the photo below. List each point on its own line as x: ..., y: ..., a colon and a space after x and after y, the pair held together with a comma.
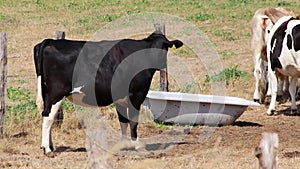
x: 3, y: 73
x: 60, y: 35
x: 164, y: 84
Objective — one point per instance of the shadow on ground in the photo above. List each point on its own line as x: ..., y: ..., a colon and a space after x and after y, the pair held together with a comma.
x: 246, y: 124
x: 69, y: 149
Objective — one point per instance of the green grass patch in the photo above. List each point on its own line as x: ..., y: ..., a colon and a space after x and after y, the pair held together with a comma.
x: 106, y: 18
x: 2, y: 16
x: 200, y: 17
x: 231, y: 74
x: 68, y: 106
x: 47, y: 6
x: 226, y: 54
x: 162, y: 126
x: 235, y: 3
x: 191, y: 87
x: 93, y: 4
x: 21, y: 105
x: 17, y: 94
x: 224, y: 35
x: 87, y: 23
x: 285, y: 4
x: 141, y: 3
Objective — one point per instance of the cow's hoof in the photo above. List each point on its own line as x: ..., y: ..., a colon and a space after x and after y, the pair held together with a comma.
x: 51, y: 154
x: 124, y: 138
x: 139, y: 145
x: 256, y: 100
x: 294, y: 112
x: 279, y: 97
x: 271, y: 112
x: 49, y: 150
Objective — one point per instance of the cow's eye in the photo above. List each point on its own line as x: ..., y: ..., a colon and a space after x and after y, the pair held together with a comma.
x: 268, y: 31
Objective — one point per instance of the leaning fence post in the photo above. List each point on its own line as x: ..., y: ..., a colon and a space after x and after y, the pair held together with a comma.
x: 164, y: 72
x: 60, y: 35
x: 3, y: 73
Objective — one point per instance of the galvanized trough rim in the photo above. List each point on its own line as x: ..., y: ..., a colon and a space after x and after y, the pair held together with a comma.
x: 189, y: 97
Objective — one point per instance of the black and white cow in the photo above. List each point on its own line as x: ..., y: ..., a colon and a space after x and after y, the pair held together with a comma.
x: 98, y: 74
x: 283, y: 52
x: 261, y: 23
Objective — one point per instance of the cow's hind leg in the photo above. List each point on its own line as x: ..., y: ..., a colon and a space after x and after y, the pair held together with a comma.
x: 292, y: 90
x: 39, y: 98
x: 273, y: 87
x: 47, y: 143
x: 40, y: 103
x: 257, y: 76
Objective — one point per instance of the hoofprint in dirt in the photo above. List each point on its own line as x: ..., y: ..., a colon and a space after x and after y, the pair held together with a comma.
x: 175, y: 147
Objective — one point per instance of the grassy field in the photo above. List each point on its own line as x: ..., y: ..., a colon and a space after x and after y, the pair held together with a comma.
x: 224, y: 22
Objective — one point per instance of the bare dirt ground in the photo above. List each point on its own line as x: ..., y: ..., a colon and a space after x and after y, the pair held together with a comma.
x: 175, y: 147
x: 200, y: 147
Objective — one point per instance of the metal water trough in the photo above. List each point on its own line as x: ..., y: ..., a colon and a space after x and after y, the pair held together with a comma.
x: 195, y: 109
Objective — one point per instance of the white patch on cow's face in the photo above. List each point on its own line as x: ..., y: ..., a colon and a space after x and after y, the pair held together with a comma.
x: 77, y: 90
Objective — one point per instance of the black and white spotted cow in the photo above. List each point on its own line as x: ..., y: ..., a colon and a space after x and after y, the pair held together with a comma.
x: 261, y: 23
x: 283, y: 52
x: 98, y: 74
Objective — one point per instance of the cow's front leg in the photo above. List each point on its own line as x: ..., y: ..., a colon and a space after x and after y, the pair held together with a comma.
x: 123, y: 120
x: 273, y: 87
x: 257, y: 76
x: 133, y: 115
x: 133, y: 130
x: 47, y: 143
x: 292, y: 90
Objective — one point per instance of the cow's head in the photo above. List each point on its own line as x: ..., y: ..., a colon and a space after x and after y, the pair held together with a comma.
x: 266, y: 151
x: 160, y: 41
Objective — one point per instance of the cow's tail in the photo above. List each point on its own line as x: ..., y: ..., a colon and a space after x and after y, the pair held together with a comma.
x: 38, y: 60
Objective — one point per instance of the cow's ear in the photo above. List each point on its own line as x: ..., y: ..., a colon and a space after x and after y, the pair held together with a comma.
x: 264, y: 21
x: 176, y: 44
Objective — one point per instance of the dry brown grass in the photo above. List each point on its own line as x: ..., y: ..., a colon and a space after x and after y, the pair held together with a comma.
x: 27, y: 23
